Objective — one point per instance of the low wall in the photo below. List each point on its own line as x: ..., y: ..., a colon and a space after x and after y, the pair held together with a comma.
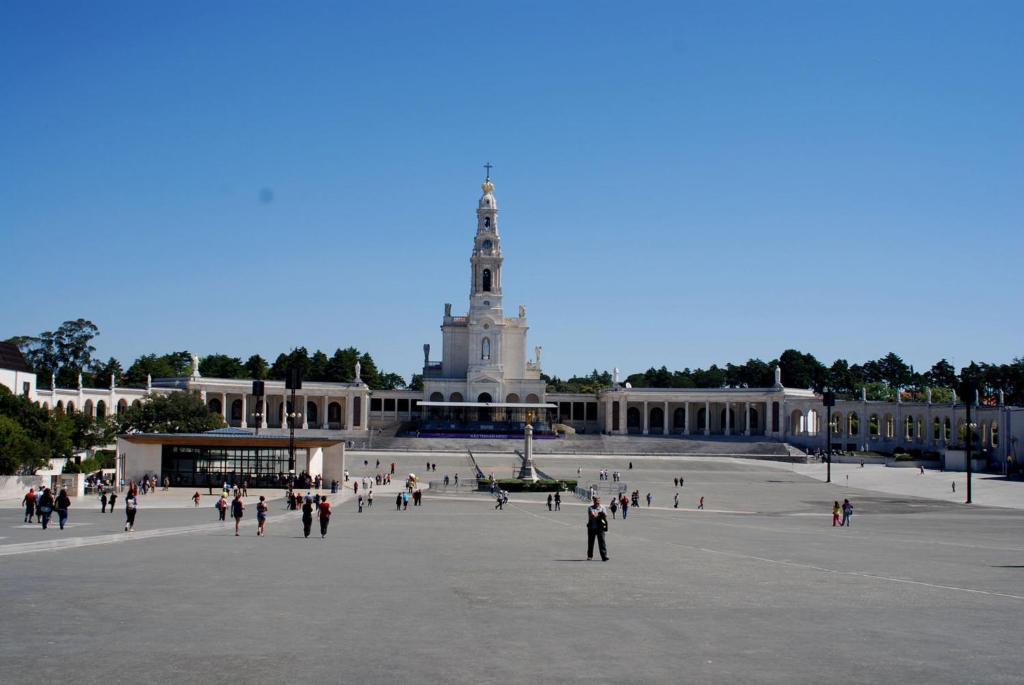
x: 15, y: 487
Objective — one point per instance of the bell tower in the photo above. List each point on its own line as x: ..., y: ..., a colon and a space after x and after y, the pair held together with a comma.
x: 485, y: 286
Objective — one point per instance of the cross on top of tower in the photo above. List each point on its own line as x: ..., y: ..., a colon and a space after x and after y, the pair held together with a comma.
x: 488, y: 166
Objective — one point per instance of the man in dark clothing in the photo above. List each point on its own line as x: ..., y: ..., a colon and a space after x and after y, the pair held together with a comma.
x: 597, y: 524
x: 558, y: 501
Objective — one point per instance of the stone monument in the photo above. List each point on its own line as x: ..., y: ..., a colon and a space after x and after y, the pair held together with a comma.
x: 527, y: 471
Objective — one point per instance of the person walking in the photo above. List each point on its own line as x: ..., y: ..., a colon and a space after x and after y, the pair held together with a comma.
x: 597, y: 526
x: 113, y: 500
x: 360, y: 504
x: 45, y: 508
x: 131, y: 507
x: 222, y: 508
x: 398, y: 501
x: 29, y: 502
x: 500, y: 505
x: 324, y: 512
x: 195, y: 498
x: 405, y: 500
x: 369, y: 499
x: 836, y: 511
x: 103, y: 502
x: 237, y: 510
x: 558, y: 501
x: 614, y: 506
x: 63, y: 503
x: 307, y: 517
x: 625, y: 507
x: 675, y: 501
x: 847, y: 513
x: 649, y: 499
x: 261, y: 517
x: 700, y: 505
x: 551, y: 500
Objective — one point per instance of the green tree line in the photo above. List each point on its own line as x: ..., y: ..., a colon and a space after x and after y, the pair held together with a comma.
x: 68, y: 351
x: 881, y: 378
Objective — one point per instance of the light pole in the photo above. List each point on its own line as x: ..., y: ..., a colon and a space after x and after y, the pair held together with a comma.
x: 970, y: 439
x: 293, y: 382
x: 257, y: 391
x: 829, y: 400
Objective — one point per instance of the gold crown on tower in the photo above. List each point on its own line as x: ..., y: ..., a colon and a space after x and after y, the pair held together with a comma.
x: 487, y: 186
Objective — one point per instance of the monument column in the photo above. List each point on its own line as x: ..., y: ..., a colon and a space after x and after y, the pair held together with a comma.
x: 644, y: 424
x: 245, y: 410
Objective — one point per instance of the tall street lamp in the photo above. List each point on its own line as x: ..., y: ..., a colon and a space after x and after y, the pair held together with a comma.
x: 257, y: 391
x: 828, y: 398
x: 293, y: 382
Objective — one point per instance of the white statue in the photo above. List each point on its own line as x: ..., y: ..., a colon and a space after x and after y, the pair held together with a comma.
x: 536, y: 354
x: 359, y: 371
x: 195, y: 365
x: 79, y: 380
x: 522, y: 312
x: 53, y: 381
x: 778, y: 377
x: 426, y: 354
x: 615, y: 375
x: 149, y: 381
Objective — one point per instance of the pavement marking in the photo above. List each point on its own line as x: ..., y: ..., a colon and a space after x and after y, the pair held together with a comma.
x: 795, y: 564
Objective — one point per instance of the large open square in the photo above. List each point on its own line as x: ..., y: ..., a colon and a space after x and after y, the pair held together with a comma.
x: 758, y: 587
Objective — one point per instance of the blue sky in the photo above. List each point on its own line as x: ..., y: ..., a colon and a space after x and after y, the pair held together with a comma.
x: 680, y: 183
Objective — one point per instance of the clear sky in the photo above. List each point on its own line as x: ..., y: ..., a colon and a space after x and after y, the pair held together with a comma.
x: 680, y: 183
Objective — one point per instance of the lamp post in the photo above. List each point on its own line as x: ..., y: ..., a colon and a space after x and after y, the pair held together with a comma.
x: 828, y: 398
x: 293, y: 382
x: 257, y: 391
x: 969, y: 437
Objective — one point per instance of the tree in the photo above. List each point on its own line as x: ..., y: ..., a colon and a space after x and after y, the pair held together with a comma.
x: 318, y: 366
x: 416, y: 382
x: 48, y: 432
x: 256, y: 367
x: 173, y: 365
x: 342, y: 365
x: 801, y: 370
x: 894, y: 371
x: 65, y: 352
x: 389, y: 381
x: 222, y: 366
x: 176, y: 412
x: 102, y: 373
x: 19, y: 453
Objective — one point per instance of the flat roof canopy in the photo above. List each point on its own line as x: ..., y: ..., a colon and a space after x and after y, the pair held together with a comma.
x: 496, y: 405
x: 228, y: 440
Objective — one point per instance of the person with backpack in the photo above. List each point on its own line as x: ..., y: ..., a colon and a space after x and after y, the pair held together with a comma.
x: 63, y: 504
x: 261, y: 517
x: 237, y: 510
x: 44, y: 507
x: 29, y: 502
x: 324, y: 512
x: 131, y: 507
x: 222, y: 508
x: 597, y: 526
x: 307, y: 517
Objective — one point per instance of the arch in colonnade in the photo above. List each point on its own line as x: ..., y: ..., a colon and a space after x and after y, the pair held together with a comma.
x: 796, y: 422
x: 334, y: 412
x: 837, y: 423
x: 122, y: 406
x: 633, y: 420
x: 312, y: 413
x: 874, y: 426
x: 656, y: 420
x: 679, y: 418
x: 936, y: 429
x: 888, y: 427
x: 214, y: 406
x: 755, y: 421
x: 852, y: 423
x: 512, y: 398
x: 236, y: 410
x: 87, y: 408
x: 101, y: 410
x: 532, y: 399
x: 70, y: 408
x: 908, y: 428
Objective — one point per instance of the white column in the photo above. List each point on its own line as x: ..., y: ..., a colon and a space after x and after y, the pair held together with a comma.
x: 746, y: 410
x: 325, y: 401
x: 623, y: 414
x: 667, y: 428
x: 225, y: 409
x: 707, y: 417
x: 728, y: 419
x: 608, y: 405
x: 349, y: 414
x: 644, y: 424
x: 245, y: 410
x: 305, y: 417
x: 262, y: 408
x: 686, y: 418
x: 365, y: 403
x: 768, y: 418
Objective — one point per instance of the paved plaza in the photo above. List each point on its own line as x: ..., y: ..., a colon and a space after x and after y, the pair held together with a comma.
x: 758, y: 587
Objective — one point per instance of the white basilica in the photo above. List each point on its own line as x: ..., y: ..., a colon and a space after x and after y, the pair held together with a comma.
x: 484, y: 376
